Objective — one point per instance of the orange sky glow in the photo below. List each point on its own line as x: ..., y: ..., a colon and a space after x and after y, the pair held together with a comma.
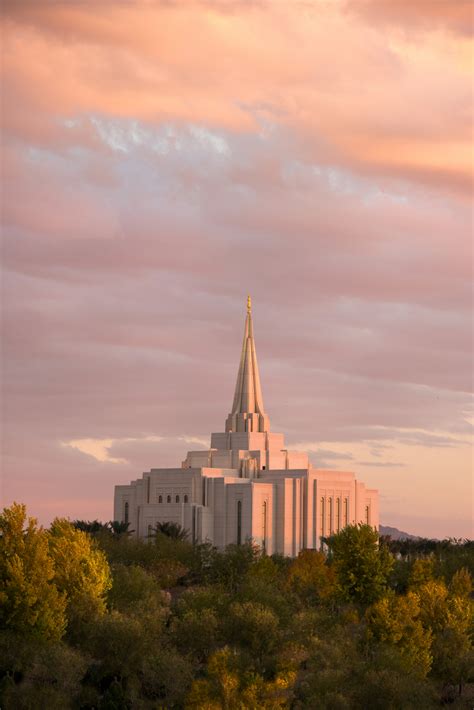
x: 161, y: 160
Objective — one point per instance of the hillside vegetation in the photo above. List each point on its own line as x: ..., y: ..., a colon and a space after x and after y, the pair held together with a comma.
x: 90, y: 617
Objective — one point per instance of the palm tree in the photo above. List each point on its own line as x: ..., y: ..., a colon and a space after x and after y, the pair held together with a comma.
x: 119, y: 529
x: 90, y: 526
x: 171, y: 530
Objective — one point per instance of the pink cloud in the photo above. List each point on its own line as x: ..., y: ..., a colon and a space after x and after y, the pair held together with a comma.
x: 162, y: 160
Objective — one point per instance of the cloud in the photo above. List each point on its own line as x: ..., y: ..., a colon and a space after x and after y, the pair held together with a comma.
x: 321, y: 163
x: 416, y: 15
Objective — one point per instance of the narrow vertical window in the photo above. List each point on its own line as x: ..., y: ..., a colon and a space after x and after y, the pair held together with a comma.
x: 346, y: 511
x: 148, y: 489
x: 323, y: 517
x: 185, y: 498
x: 177, y: 499
x: 338, y: 514
x: 160, y: 499
x: 367, y: 514
x: 168, y: 499
x: 125, y: 516
x: 264, y: 526
x: 331, y: 516
x: 239, y: 522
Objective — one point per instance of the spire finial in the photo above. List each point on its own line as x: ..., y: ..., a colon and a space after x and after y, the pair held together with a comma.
x: 249, y: 304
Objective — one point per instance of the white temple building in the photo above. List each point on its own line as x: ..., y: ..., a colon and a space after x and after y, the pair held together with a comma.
x: 247, y: 485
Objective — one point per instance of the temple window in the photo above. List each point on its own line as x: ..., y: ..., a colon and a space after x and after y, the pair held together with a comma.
x: 177, y: 499
x: 346, y: 511
x: 125, y: 509
x: 331, y: 514
x: 264, y: 526
x: 168, y: 499
x: 239, y: 522
x: 160, y: 499
x: 338, y: 514
x: 323, y: 517
x: 185, y: 498
x: 367, y: 514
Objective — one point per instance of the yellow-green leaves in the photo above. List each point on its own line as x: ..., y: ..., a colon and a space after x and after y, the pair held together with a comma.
x: 47, y: 578
x: 396, y: 621
x: 30, y: 602
x: 81, y: 571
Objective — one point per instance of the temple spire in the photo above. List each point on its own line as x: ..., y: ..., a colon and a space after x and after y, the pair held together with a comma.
x: 248, y: 413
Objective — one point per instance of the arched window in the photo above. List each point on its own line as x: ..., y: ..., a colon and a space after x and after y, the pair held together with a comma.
x: 185, y: 499
x: 125, y: 511
x: 160, y: 499
x: 177, y: 499
x: 264, y: 526
x: 168, y: 499
x: 239, y: 522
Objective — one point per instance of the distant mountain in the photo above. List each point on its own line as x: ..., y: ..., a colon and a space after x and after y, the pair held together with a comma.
x: 396, y: 534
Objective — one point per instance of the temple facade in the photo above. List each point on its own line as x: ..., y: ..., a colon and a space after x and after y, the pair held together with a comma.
x: 247, y: 485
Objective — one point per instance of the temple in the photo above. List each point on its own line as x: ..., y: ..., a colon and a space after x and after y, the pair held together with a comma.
x: 247, y: 485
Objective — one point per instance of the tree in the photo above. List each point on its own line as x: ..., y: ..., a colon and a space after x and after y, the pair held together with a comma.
x: 395, y: 620
x: 227, y: 687
x: 39, y: 674
x: 171, y: 530
x: 81, y: 571
x: 362, y: 566
x: 448, y: 613
x: 30, y: 601
x: 421, y: 572
x: 134, y: 590
x: 254, y: 628
x: 119, y: 529
x: 93, y: 527
x: 310, y: 577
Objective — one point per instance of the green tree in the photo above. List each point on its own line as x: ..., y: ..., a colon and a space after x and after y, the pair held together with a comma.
x: 421, y: 572
x: 255, y: 628
x: 119, y: 528
x: 171, y: 530
x: 310, y: 577
x: 362, y: 566
x: 30, y: 602
x: 227, y: 687
x: 134, y: 590
x: 449, y: 614
x: 395, y: 621
x: 39, y: 674
x: 81, y: 571
x: 93, y: 527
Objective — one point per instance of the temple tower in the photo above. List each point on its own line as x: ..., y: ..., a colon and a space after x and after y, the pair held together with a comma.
x: 247, y: 412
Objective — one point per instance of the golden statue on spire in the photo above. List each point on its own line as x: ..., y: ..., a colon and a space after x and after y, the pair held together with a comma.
x: 249, y: 304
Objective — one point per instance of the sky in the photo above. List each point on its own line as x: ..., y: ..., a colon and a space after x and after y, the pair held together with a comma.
x: 161, y: 160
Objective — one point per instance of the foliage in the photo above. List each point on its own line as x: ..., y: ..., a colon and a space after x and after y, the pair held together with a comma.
x: 395, y: 621
x: 164, y: 623
x: 310, y: 577
x: 362, y: 565
x: 81, y: 570
x: 170, y: 529
x: 30, y: 602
